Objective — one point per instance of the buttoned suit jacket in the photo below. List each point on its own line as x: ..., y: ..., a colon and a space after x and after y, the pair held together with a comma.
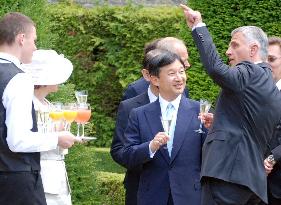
x: 162, y: 175
x: 131, y: 181
x: 246, y: 113
x: 140, y: 86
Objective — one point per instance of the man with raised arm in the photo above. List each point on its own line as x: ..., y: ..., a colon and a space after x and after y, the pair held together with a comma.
x: 246, y: 113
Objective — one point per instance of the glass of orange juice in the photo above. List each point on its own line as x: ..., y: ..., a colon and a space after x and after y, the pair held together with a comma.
x: 69, y: 114
x: 83, y: 116
x: 56, y: 115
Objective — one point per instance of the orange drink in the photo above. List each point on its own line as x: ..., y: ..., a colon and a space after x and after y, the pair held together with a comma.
x: 83, y: 116
x: 56, y: 115
x: 69, y: 115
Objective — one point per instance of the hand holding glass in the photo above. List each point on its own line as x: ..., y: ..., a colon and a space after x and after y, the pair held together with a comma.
x: 204, y: 109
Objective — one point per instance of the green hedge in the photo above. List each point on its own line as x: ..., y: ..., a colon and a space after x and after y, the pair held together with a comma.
x: 94, y: 178
x: 37, y: 12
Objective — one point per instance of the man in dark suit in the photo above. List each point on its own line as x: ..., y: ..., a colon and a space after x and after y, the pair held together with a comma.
x: 168, y: 43
x: 170, y: 160
x: 131, y: 181
x: 246, y: 113
x: 272, y: 162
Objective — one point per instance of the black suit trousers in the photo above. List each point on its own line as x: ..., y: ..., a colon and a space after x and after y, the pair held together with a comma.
x: 219, y: 192
x: 21, y: 188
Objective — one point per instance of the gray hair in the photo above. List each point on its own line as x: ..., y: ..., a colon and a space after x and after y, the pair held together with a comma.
x: 171, y: 44
x: 255, y: 34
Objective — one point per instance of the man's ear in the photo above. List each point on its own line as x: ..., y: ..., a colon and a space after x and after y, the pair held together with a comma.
x: 145, y: 74
x: 20, y: 39
x: 254, y: 49
x: 154, y: 80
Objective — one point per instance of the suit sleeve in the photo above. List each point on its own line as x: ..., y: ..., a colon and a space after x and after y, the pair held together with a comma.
x: 231, y: 78
x: 277, y: 153
x: 117, y: 145
x: 135, y: 152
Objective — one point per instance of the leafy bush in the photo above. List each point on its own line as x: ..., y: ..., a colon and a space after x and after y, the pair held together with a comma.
x: 94, y: 178
x: 37, y: 12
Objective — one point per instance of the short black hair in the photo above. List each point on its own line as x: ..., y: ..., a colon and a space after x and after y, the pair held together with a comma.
x: 162, y: 59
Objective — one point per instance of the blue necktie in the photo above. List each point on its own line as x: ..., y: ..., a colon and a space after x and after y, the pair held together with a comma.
x: 169, y: 116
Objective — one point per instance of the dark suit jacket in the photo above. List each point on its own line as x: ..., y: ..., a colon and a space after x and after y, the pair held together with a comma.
x: 274, y: 178
x: 161, y: 174
x: 247, y: 110
x: 131, y: 181
x: 140, y: 86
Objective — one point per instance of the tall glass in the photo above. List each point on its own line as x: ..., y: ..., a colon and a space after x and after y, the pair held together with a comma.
x: 69, y: 114
x: 205, y: 106
x: 81, y: 96
x: 83, y: 115
x: 56, y: 114
x: 166, y: 123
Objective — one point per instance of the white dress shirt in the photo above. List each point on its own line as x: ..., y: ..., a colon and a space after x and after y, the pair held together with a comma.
x: 151, y: 96
x: 278, y: 84
x: 17, y: 100
x: 163, y: 105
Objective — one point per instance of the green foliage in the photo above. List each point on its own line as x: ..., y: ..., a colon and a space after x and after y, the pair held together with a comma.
x: 94, y: 178
x: 65, y: 94
x: 37, y: 12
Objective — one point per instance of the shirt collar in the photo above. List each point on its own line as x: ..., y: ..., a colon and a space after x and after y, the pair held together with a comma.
x: 257, y: 62
x: 164, y: 103
x: 151, y: 96
x: 278, y: 84
x: 9, y: 58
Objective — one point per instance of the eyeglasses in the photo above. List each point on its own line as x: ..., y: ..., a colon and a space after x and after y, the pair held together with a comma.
x: 272, y: 59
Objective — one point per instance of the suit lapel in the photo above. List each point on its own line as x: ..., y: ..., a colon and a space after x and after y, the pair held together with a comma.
x: 153, y: 114
x: 185, y: 114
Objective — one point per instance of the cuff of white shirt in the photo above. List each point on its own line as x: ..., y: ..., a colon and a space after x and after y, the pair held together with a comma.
x: 198, y: 25
x: 151, y: 154
x: 53, y: 139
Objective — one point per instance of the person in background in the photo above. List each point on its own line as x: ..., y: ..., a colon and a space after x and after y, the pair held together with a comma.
x: 168, y: 43
x: 20, y: 143
x: 246, y: 113
x: 131, y: 181
x: 48, y: 70
x: 140, y: 86
x: 171, y: 160
x: 273, y: 162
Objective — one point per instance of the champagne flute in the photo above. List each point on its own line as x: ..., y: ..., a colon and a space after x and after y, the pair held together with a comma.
x: 81, y: 96
x: 83, y: 115
x: 204, y: 109
x: 166, y: 123
x: 69, y: 114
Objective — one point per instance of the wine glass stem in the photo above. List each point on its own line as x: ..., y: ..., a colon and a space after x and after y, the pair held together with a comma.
x: 83, y: 125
